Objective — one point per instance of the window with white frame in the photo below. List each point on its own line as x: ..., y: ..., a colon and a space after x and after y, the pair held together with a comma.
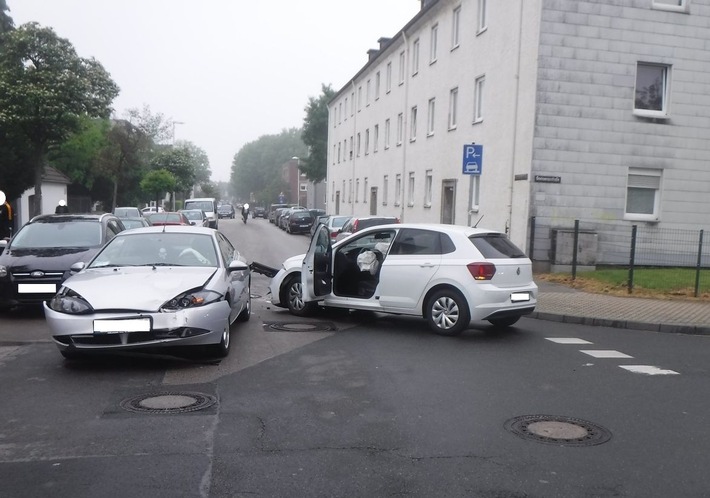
x: 335, y: 152
x: 482, y: 14
x: 385, y: 189
x: 387, y: 133
x: 410, y: 190
x: 652, y: 95
x: 357, y: 144
x: 397, y: 189
x: 352, y: 103
x: 368, y: 93
x: 346, y: 109
x: 455, y: 27
x: 343, y: 191
x: 367, y: 141
x: 453, y: 107
x: 303, y: 187
x: 377, y: 85
x: 350, y: 191
x: 351, y: 147
x: 430, y: 117
x: 402, y: 62
x: 643, y: 194
x: 428, y: 186
x: 478, y: 99
x: 388, y: 78
x: 433, y: 44
x: 364, y: 191
x: 345, y: 150
x: 413, y: 124
x: 415, y: 57
x: 672, y: 5
x: 400, y: 128
x: 332, y: 192
x: 338, y: 152
x: 357, y: 190
x: 359, y: 98
x: 340, y: 112
x: 375, y: 138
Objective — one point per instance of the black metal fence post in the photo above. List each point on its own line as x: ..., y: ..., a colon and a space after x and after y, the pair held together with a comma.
x: 632, y: 259
x: 574, y: 249
x: 699, y: 264
x: 532, y: 238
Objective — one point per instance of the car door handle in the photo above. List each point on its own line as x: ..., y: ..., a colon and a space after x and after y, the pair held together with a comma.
x: 426, y: 265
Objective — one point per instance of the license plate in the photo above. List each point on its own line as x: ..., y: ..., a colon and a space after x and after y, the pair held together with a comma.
x: 36, y: 288
x: 517, y: 297
x: 118, y: 326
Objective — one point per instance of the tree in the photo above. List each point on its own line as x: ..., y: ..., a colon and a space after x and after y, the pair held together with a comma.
x: 6, y: 23
x: 315, y: 135
x: 45, y: 89
x: 157, y: 183
x: 177, y: 161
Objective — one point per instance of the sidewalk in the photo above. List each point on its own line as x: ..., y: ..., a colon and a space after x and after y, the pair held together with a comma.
x: 562, y: 304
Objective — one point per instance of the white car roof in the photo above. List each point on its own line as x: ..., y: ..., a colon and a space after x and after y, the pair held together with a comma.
x: 440, y: 227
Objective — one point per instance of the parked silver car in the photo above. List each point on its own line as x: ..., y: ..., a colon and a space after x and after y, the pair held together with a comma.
x: 154, y: 287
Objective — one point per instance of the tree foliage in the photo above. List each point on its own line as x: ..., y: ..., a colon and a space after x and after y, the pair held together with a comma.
x: 45, y: 89
x: 157, y: 182
x: 315, y: 135
x: 256, y: 169
x: 6, y: 23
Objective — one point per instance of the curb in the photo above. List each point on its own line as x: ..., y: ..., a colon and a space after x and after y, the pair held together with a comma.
x: 667, y: 328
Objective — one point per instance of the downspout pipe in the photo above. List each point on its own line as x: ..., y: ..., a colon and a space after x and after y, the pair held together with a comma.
x: 354, y: 144
x: 405, y: 123
x: 509, y: 223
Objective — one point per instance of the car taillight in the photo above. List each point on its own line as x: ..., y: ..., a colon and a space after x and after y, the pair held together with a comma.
x: 355, y: 226
x: 481, y: 271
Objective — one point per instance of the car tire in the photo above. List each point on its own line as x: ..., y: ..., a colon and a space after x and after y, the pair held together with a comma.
x: 293, y: 296
x: 503, y: 323
x: 447, y: 312
x: 221, y: 350
x: 245, y: 315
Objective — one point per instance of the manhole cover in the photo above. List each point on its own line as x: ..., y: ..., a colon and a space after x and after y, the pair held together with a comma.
x: 561, y: 431
x: 168, y: 403
x: 300, y: 326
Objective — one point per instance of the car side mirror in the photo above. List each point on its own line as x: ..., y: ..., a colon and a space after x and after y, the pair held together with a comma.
x: 237, y: 265
x: 3, y: 243
x: 78, y: 266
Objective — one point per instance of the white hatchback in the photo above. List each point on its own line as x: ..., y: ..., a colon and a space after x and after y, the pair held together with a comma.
x: 450, y: 275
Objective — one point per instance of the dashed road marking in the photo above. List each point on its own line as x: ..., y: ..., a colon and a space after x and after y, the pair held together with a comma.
x: 604, y: 353
x: 648, y: 370
x: 568, y: 340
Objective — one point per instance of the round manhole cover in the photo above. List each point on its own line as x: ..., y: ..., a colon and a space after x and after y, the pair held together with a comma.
x: 301, y: 327
x: 561, y: 431
x: 168, y: 402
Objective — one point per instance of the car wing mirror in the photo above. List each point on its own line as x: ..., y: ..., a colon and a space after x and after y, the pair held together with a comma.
x: 78, y: 266
x: 237, y: 265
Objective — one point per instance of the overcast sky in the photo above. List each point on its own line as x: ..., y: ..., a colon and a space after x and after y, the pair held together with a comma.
x: 230, y: 70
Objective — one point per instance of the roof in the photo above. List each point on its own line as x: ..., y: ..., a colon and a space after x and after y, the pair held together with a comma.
x: 52, y: 175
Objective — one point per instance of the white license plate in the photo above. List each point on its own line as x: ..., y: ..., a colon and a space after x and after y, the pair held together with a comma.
x: 118, y: 326
x: 518, y: 297
x: 36, y: 288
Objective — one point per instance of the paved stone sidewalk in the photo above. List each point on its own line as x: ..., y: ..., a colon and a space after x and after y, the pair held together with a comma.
x: 559, y: 303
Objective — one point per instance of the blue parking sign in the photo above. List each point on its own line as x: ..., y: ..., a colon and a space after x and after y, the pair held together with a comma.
x: 472, y: 159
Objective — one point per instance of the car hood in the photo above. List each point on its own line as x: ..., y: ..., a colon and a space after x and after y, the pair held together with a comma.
x: 294, y: 262
x: 139, y: 288
x: 46, y: 259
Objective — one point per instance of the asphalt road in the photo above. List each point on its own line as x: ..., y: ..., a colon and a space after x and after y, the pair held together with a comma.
x: 378, y: 406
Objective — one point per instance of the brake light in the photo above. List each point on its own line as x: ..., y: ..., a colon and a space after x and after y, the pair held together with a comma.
x: 481, y: 271
x: 355, y: 225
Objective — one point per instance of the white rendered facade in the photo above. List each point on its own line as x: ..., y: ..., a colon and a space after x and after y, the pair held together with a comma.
x: 552, y: 89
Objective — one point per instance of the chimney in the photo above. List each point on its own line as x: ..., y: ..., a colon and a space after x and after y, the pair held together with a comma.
x: 372, y: 53
x: 426, y: 3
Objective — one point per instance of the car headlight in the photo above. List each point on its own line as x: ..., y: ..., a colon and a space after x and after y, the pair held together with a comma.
x: 191, y: 299
x: 3, y: 271
x: 68, y: 301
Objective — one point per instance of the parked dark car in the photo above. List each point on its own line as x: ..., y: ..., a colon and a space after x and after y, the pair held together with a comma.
x: 283, y: 218
x: 299, y: 222
x: 258, y: 212
x: 272, y: 211
x: 38, y: 258
x: 354, y: 224
x: 226, y: 211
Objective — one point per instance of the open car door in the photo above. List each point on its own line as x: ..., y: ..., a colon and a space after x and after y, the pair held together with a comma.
x: 317, y: 266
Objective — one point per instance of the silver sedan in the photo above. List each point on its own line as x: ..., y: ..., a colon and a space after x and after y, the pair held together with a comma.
x: 152, y: 288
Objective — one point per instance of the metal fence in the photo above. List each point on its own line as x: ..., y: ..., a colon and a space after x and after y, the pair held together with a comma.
x: 684, y: 254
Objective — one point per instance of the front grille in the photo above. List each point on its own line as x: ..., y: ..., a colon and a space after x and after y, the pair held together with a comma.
x: 132, y: 338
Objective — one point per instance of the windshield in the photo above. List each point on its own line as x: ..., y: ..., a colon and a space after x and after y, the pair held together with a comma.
x: 159, y: 249
x: 74, y: 233
x: 193, y: 215
x: 205, y: 206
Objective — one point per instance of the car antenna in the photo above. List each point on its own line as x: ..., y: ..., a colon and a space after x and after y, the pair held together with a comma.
x: 479, y: 220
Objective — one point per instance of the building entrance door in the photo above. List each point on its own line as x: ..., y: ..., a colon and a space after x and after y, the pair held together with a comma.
x: 448, y: 201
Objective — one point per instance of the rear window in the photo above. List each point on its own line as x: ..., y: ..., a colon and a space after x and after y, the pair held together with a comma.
x: 205, y: 206
x: 496, y: 246
x: 367, y: 223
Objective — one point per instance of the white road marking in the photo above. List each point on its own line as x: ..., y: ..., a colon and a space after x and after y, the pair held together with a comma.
x: 648, y: 370
x: 605, y: 353
x: 568, y: 340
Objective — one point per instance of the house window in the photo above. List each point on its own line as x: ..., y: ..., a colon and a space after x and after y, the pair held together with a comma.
x: 428, y: 185
x: 340, y: 112
x: 388, y: 78
x: 651, y: 98
x: 413, y: 124
x: 453, y: 107
x: 357, y: 190
x: 368, y: 93
x: 643, y: 194
x: 338, y: 152
x: 346, y: 109
x: 434, y: 43
x: 376, y: 138
x: 345, y: 150
x: 401, y: 67
x: 304, y: 187
x: 335, y: 152
x: 357, y: 153
x: 377, y: 85
x: 332, y: 192
x: 398, y: 190
x: 430, y: 117
x: 410, y: 190
x: 673, y: 5
x: 352, y: 103
x: 455, y: 26
x: 400, y: 128
x: 478, y: 99
x: 350, y: 191
x: 482, y: 21
x: 387, y: 133
x: 385, y: 189
x: 367, y: 141
x: 415, y: 57
x: 359, y: 98
x: 351, y: 147
x: 364, y: 191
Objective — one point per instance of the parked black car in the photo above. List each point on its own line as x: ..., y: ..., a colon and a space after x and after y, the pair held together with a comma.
x: 38, y: 258
x: 226, y: 211
x: 299, y: 222
x: 258, y: 212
